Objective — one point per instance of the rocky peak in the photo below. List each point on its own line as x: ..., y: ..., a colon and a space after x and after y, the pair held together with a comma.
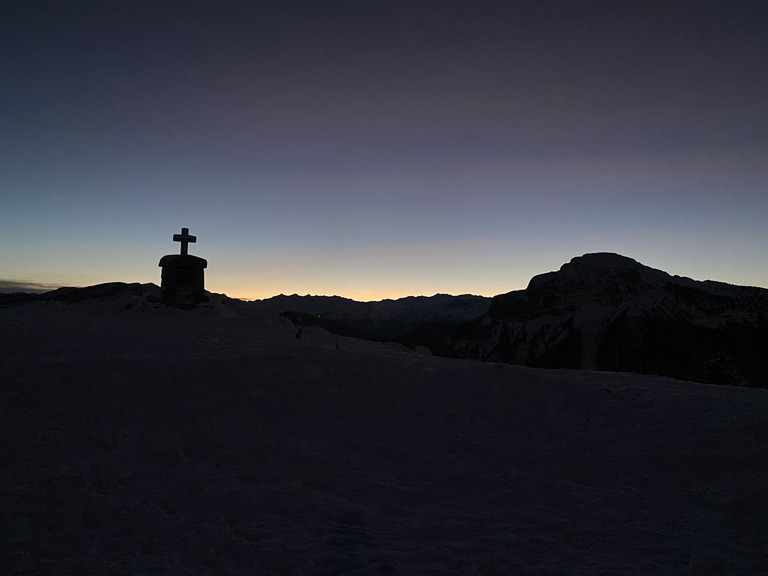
x: 608, y: 312
x: 599, y: 268
x: 601, y: 276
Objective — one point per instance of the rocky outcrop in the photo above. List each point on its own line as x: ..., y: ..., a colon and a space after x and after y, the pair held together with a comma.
x: 608, y: 312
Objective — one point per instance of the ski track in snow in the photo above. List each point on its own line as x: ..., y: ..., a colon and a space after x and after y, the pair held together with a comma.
x: 149, y: 440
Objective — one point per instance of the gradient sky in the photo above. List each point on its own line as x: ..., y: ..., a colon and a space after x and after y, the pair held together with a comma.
x: 378, y: 149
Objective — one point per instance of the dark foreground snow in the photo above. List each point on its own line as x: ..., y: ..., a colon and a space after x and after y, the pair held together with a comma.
x: 149, y: 440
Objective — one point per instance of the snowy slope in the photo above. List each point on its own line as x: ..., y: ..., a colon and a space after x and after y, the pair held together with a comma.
x: 140, y: 439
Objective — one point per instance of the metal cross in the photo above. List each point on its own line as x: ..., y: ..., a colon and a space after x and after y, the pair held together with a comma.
x: 185, y: 238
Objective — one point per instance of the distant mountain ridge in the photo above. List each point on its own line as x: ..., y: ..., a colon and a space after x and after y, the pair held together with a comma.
x: 72, y: 295
x: 383, y: 319
x: 604, y: 311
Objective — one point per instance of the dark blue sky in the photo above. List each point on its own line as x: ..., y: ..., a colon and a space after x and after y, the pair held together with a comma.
x: 380, y: 149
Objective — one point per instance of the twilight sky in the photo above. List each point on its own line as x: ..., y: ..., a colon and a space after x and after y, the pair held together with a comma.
x: 378, y: 149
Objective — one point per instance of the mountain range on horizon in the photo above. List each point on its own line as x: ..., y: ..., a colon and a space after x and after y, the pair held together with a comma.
x: 600, y: 311
x: 145, y: 438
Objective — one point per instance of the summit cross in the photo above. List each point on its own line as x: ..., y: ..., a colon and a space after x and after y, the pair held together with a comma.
x: 185, y: 238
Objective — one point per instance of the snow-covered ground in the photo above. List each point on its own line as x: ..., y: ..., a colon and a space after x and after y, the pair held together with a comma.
x: 140, y: 439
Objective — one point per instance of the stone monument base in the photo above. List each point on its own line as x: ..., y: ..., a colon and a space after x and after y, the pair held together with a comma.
x: 183, y: 282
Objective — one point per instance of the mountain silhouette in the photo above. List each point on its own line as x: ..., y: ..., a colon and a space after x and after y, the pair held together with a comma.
x: 604, y: 311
